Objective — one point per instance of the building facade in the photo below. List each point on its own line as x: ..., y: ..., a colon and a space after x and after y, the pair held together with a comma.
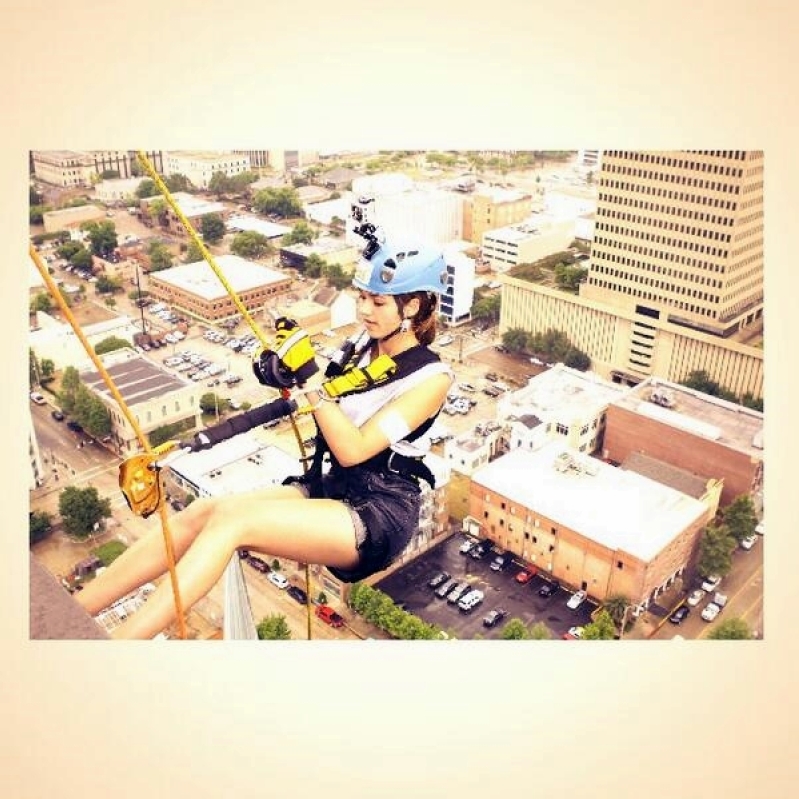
x: 703, y: 435
x: 489, y: 208
x: 526, y: 242
x: 199, y: 166
x: 679, y: 237
x: 627, y: 348
x: 65, y: 168
x: 193, y: 208
x: 586, y: 524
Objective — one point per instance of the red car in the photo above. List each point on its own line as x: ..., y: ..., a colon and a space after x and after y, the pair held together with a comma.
x: 329, y: 616
x: 524, y: 576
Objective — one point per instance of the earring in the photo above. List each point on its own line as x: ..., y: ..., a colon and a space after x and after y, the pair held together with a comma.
x: 405, y: 325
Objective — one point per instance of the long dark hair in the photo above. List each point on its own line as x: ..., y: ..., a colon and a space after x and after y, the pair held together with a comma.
x: 424, y: 322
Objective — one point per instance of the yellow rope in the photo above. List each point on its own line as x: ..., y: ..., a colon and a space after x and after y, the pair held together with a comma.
x: 245, y: 314
x: 65, y: 309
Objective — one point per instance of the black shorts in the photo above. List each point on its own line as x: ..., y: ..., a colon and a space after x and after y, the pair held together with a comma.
x: 388, y: 506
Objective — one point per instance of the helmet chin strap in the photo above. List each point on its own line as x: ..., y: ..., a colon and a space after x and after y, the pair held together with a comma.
x: 390, y: 335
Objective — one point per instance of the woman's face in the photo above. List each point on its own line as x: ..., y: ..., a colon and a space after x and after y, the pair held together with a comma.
x: 379, y: 313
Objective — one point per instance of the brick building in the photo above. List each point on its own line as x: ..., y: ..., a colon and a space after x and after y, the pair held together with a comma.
x: 706, y: 436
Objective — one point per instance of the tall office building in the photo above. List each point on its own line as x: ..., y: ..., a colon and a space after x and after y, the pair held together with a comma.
x: 679, y: 238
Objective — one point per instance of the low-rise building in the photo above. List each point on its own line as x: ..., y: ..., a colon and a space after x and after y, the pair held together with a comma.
x: 196, y: 290
x: 116, y: 190
x: 332, y: 250
x: 490, y: 208
x: 559, y: 403
x: 703, y: 435
x: 587, y: 524
x: 526, y: 242
x: 192, y: 207
x: 74, y: 217
x: 199, y: 166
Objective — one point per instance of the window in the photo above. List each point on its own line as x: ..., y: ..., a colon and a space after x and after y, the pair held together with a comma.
x: 619, y: 564
x: 562, y: 429
x: 554, y: 530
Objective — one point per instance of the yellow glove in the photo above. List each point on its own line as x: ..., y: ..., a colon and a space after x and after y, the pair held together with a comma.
x: 292, y: 361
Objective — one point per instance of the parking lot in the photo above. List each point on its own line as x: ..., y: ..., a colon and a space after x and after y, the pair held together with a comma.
x: 408, y: 587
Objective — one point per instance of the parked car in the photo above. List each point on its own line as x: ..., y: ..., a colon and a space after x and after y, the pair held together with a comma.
x: 57, y: 415
x: 710, y: 611
x: 479, y: 551
x: 525, y: 575
x: 499, y: 562
x: 74, y: 426
x: 576, y: 599
x: 297, y: 594
x: 573, y: 634
x: 437, y: 580
x: 278, y: 580
x: 471, y: 600
x: 445, y: 588
x: 680, y: 615
x: 37, y: 398
x: 748, y: 542
x: 258, y: 564
x: 711, y: 583
x: 465, y: 547
x: 695, y: 597
x: 329, y: 616
x: 548, y: 589
x: 494, y: 617
x: 461, y: 589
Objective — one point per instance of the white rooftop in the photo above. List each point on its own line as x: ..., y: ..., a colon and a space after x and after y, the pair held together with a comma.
x: 190, y: 205
x: 245, y: 222
x: 561, y: 392
x: 617, y: 509
x: 198, y: 277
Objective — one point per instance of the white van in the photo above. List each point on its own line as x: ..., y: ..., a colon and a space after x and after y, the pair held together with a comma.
x: 471, y: 600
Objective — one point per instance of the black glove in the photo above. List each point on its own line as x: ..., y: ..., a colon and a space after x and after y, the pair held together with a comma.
x: 291, y: 362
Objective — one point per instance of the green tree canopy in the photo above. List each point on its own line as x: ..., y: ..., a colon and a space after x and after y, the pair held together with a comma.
x: 82, y: 259
x: 193, y: 253
x: 570, y: 277
x: 515, y: 630
x: 733, y: 629
x: 212, y: 227
x: 314, y: 265
x: 36, y: 213
x: 108, y: 285
x: 602, y: 628
x: 41, y: 302
x: 250, y: 244
x: 715, y: 550
x: 516, y: 340
x: 488, y: 307
x: 178, y: 182
x: 112, y: 343
x: 160, y: 256
x: 740, y: 517
x: 301, y: 233
x: 146, y: 188
x: 337, y: 277
x: 81, y: 509
x: 40, y: 525
x: 284, y: 202
x: 274, y: 628
x: 102, y: 237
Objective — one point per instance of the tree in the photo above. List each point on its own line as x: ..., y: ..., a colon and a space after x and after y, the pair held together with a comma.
x: 250, y: 244
x: 314, y: 265
x: 219, y: 184
x: 301, y: 233
x: 68, y: 249
x: 715, y: 551
x: 515, y: 630
x: 34, y: 198
x: 112, y: 343
x: 731, y: 630
x: 540, y: 632
x: 274, y: 628
x: 177, y: 182
x: 160, y: 256
x: 700, y: 380
x: 601, y: 628
x: 157, y: 211
x: 488, y: 308
x: 146, y: 188
x: 193, y: 253
x: 82, y: 259
x: 36, y: 214
x: 108, y: 285
x: 81, y: 509
x: 41, y: 302
x: 40, y: 525
x: 102, y: 237
x: 212, y: 227
x: 740, y: 517
x: 570, y: 277
x: 516, y: 340
x: 210, y: 402
x: 616, y: 606
x: 282, y: 202
x: 337, y: 277
x: 577, y: 359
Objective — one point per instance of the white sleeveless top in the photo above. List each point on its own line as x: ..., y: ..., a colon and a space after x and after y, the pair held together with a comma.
x: 364, y: 405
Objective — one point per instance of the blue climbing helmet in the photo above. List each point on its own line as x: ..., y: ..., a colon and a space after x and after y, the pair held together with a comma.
x: 401, y: 269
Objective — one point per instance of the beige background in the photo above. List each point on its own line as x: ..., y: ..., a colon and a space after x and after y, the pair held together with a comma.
x: 469, y: 719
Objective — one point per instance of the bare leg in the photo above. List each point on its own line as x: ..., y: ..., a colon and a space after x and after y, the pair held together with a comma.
x: 308, y: 530
x: 146, y: 559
